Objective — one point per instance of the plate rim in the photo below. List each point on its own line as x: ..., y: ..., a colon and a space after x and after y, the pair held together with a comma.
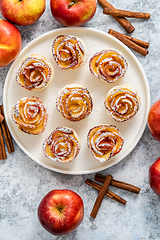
x: 147, y: 104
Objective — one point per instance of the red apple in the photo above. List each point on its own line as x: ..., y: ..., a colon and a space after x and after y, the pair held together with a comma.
x: 61, y: 211
x: 10, y: 42
x: 154, y: 120
x: 154, y: 176
x: 73, y: 12
x: 22, y: 12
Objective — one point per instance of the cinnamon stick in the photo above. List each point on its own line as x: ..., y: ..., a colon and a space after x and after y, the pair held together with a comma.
x: 108, y: 193
x: 101, y: 195
x: 6, y: 133
x: 124, y: 13
x: 128, y: 42
x: 137, y: 41
x: 122, y: 21
x: 118, y: 184
x: 3, y: 154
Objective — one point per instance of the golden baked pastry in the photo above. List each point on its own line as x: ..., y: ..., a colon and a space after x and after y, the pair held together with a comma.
x: 108, y: 65
x: 62, y: 145
x: 74, y: 102
x: 30, y: 115
x: 104, y: 142
x: 122, y: 103
x: 69, y: 52
x: 35, y: 73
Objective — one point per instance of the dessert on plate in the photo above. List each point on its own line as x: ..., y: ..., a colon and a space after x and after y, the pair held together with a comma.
x: 122, y: 103
x: 30, y: 115
x: 108, y: 65
x: 69, y: 52
x: 74, y: 102
x: 35, y: 72
x: 62, y: 145
x: 104, y: 141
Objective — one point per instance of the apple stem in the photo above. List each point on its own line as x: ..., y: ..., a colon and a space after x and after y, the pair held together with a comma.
x: 71, y: 4
x: 61, y: 210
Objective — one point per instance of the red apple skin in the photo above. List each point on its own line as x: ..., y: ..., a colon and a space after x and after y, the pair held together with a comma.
x: 154, y: 176
x: 10, y: 42
x: 78, y: 14
x: 22, y: 12
x: 154, y: 120
x: 61, y: 211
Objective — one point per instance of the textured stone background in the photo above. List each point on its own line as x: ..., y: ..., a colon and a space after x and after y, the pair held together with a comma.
x: 23, y: 182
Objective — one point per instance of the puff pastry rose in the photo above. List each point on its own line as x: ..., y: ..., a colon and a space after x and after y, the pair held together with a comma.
x: 122, y: 103
x: 34, y: 73
x: 74, y: 102
x: 69, y: 52
x: 104, y: 142
x: 62, y: 145
x: 108, y: 65
x: 30, y: 115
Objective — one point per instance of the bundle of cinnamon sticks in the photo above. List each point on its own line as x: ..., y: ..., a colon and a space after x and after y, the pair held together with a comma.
x: 103, y: 190
x: 121, y: 17
x: 4, y: 136
x: 137, y: 45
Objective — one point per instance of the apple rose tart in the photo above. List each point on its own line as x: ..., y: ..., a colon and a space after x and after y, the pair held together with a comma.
x: 69, y: 52
x: 62, y: 145
x: 30, y: 115
x: 122, y: 103
x: 35, y: 73
x: 108, y: 65
x: 104, y: 142
x: 74, y: 102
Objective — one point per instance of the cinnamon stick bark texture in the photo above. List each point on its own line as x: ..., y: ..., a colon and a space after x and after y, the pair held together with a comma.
x: 118, y: 184
x: 101, y: 195
x: 108, y: 193
x: 122, y: 21
x: 3, y: 154
x: 128, y: 42
x: 124, y: 13
x: 6, y: 133
x: 1, y: 118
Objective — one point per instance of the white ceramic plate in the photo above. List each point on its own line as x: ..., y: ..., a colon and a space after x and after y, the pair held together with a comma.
x: 131, y: 130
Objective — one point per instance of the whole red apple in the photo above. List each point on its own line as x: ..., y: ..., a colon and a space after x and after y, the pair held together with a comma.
x: 22, y: 12
x: 154, y: 120
x: 61, y: 211
x: 73, y: 12
x: 154, y: 176
x: 10, y: 42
